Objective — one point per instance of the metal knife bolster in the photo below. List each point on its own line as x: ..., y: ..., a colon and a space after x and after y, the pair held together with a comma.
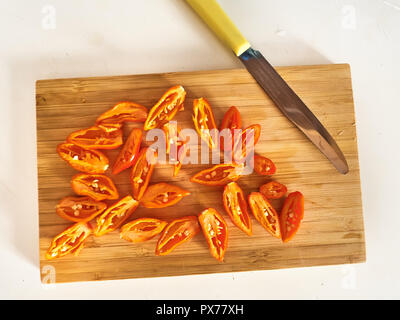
x: 293, y: 107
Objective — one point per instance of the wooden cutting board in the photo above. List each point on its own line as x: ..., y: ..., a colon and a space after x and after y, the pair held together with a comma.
x: 332, y: 231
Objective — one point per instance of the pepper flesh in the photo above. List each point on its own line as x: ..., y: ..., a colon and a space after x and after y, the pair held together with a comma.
x: 273, y: 190
x: 98, y: 187
x: 69, y: 241
x: 265, y: 214
x: 125, y: 111
x: 79, y: 209
x: 162, y: 195
x: 142, y: 229
x: 97, y: 138
x: 231, y: 121
x: 129, y: 151
x: 171, y: 131
x: 81, y: 159
x: 166, y: 108
x: 215, y: 231
x: 203, y: 119
x: 236, y: 206
x: 218, y: 175
x: 115, y: 215
x: 176, y: 233
x: 264, y: 166
x: 245, y: 142
x: 141, y: 172
x: 182, y: 154
x: 291, y: 215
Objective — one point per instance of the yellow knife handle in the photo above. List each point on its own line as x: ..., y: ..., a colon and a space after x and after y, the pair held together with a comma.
x: 215, y: 17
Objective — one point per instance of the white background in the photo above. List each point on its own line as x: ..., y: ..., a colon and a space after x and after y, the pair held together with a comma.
x: 111, y: 37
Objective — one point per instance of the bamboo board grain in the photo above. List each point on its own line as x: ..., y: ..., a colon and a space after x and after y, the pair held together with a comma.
x: 332, y: 231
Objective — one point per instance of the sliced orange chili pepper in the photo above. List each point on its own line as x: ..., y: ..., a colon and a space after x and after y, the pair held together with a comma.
x: 129, y: 151
x: 245, y: 142
x: 232, y: 120
x: 122, y: 112
x: 218, y: 175
x: 264, y: 166
x: 236, y: 206
x: 166, y: 108
x: 273, y: 190
x: 203, y: 119
x: 81, y: 159
x: 175, y: 233
x: 171, y: 132
x: 215, y: 231
x: 162, y: 195
x: 182, y: 154
x: 97, y: 186
x: 115, y: 215
x: 291, y: 215
x: 265, y: 213
x: 142, y: 229
x: 96, y: 138
x: 141, y: 172
x: 69, y: 241
x: 79, y: 209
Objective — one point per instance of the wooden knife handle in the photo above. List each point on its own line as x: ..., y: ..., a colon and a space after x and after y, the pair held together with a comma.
x: 215, y: 17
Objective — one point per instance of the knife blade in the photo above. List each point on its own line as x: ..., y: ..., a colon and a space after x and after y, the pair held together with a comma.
x: 271, y: 82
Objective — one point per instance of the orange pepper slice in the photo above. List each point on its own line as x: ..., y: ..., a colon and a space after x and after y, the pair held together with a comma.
x: 79, y: 209
x: 97, y: 138
x: 69, y: 241
x: 291, y: 215
x: 166, y: 108
x: 203, y: 119
x: 142, y: 229
x: 125, y: 111
x: 265, y: 214
x: 162, y: 195
x: 215, y: 231
x: 115, y: 215
x: 176, y: 233
x: 82, y: 159
x: 236, y: 206
x: 97, y: 186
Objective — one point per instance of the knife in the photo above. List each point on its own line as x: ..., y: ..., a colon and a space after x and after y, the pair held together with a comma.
x: 270, y: 81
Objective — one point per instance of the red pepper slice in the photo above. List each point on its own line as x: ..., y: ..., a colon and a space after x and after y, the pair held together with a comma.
x: 162, y: 195
x: 203, y: 119
x: 98, y: 187
x: 218, y: 175
x: 215, y: 231
x: 232, y: 120
x: 166, y: 108
x: 273, y: 190
x: 264, y: 166
x: 143, y: 229
x: 141, y: 172
x: 291, y: 215
x: 115, y: 215
x: 129, y: 151
x: 96, y: 138
x: 236, y: 206
x: 176, y: 233
x: 122, y: 112
x: 81, y: 159
x: 79, y: 209
x: 265, y: 213
x: 246, y: 142
x: 69, y: 241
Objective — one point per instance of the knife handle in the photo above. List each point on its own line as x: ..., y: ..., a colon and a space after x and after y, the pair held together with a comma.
x: 215, y: 17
